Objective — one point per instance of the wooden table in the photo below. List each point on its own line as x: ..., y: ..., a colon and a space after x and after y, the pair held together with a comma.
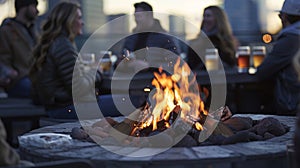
x: 143, y: 80
x: 258, y: 154
x: 243, y: 89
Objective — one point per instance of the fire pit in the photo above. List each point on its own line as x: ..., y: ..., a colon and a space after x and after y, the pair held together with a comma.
x: 146, y: 137
x: 175, y: 115
x: 269, y: 153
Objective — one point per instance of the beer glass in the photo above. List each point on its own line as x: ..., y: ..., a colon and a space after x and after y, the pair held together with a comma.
x: 259, y: 53
x: 243, y: 58
x: 105, y: 61
x: 211, y: 59
x: 87, y: 60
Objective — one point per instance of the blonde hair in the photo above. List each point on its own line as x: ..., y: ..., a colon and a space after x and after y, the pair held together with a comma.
x: 58, y: 22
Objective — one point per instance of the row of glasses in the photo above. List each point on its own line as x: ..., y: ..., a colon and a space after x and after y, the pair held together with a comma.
x: 245, y: 55
x: 105, y: 63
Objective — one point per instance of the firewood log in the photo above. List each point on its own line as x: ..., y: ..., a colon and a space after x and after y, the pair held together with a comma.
x: 104, y: 122
x: 97, y: 131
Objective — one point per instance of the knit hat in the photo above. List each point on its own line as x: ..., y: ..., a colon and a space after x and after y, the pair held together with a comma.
x: 291, y: 7
x: 23, y: 3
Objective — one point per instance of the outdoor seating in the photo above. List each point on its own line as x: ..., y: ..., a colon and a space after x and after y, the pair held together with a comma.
x: 14, y: 111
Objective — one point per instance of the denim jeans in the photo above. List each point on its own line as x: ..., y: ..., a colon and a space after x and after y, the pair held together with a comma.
x: 106, y: 103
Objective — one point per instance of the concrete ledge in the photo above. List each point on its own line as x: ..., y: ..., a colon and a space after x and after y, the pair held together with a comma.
x: 258, y: 154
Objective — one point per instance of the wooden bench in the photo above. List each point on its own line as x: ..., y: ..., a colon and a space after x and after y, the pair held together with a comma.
x: 13, y: 110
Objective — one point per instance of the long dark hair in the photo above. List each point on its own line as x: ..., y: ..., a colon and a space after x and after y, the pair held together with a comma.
x: 224, y: 34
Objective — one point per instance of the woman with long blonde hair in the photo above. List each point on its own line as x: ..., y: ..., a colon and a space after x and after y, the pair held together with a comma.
x: 54, y: 61
x: 60, y: 21
x: 56, y: 80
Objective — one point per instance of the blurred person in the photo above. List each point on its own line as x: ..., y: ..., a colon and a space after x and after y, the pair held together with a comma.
x: 8, y: 156
x: 216, y: 33
x: 215, y: 25
x: 17, y: 40
x: 147, y: 48
x: 54, y: 60
x: 277, y: 68
x: 147, y: 33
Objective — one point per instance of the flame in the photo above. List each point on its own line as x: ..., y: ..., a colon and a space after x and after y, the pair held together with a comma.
x: 177, y: 90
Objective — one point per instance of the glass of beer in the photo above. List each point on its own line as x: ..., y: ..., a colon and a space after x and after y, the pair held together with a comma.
x: 259, y: 53
x: 243, y: 58
x: 211, y: 59
x: 105, y: 61
x: 87, y: 60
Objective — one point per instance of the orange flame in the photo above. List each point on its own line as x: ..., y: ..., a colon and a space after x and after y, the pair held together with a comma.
x: 176, y: 90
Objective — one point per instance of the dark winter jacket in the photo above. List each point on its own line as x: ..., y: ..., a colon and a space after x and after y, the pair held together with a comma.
x: 279, y: 67
x: 154, y: 37
x: 55, y: 80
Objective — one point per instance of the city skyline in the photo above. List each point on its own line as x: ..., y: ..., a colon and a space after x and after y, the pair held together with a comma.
x: 191, y: 12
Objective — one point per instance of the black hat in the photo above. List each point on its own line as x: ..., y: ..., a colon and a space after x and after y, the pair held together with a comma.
x: 23, y: 3
x: 143, y: 5
x: 291, y: 7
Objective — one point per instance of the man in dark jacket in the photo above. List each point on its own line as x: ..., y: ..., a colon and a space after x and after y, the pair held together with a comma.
x: 278, y: 65
x: 149, y: 45
x: 17, y: 39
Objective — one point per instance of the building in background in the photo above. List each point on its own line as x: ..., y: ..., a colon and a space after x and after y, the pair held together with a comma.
x: 249, y: 18
x: 244, y: 19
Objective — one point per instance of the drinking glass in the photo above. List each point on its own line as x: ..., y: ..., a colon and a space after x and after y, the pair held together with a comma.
x: 211, y: 59
x: 259, y: 53
x: 87, y: 60
x: 243, y: 58
x: 105, y: 61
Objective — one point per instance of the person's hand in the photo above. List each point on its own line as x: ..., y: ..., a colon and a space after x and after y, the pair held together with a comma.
x: 11, y: 73
x: 7, y: 74
x: 226, y: 114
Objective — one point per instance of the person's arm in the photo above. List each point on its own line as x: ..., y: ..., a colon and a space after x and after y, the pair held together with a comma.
x: 5, y: 50
x: 8, y: 156
x: 65, y: 59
